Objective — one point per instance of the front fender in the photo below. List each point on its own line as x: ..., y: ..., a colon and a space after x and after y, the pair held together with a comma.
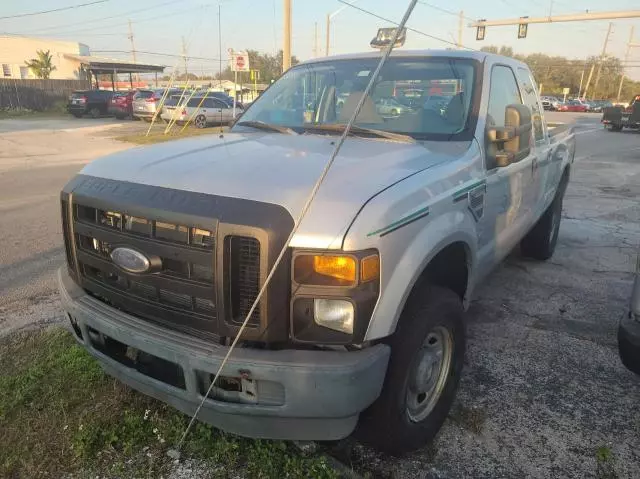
x: 404, y: 261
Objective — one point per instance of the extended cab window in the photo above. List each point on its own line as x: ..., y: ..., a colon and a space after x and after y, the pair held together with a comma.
x: 531, y: 100
x: 503, y: 92
x: 427, y: 98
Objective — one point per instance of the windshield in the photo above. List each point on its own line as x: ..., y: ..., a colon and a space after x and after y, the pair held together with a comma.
x: 426, y: 98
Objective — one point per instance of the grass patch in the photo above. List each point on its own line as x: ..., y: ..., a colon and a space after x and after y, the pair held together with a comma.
x: 60, y: 415
x: 157, y: 134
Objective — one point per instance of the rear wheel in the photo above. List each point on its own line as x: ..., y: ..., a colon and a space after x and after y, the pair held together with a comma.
x: 200, y: 121
x: 95, y: 112
x: 540, y: 242
x: 77, y: 115
x: 394, y: 112
x: 427, y: 352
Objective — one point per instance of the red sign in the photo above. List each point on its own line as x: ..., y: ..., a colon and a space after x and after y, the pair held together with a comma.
x: 239, y: 62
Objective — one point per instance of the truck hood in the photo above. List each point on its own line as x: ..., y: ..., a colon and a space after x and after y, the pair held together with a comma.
x: 281, y: 169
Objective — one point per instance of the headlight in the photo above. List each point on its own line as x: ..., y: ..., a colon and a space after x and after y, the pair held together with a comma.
x: 333, y: 295
x: 336, y: 314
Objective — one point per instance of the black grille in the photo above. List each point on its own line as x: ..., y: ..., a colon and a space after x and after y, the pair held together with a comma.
x: 65, y: 232
x: 244, y: 277
x: 180, y: 292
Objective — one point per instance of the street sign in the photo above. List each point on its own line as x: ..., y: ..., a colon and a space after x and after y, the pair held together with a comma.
x: 240, y: 62
x: 480, y: 32
x: 565, y: 91
x: 522, y: 30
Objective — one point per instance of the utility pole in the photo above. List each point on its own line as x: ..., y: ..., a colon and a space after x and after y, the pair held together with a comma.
x: 286, y: 47
x: 184, y: 57
x: 626, y: 60
x: 133, y: 48
x: 326, y: 47
x: 220, y: 45
x: 315, y: 41
x: 460, y: 27
x: 586, y: 88
x: 604, y: 52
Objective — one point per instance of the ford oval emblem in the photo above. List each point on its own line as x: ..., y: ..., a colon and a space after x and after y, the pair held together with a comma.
x: 130, y: 260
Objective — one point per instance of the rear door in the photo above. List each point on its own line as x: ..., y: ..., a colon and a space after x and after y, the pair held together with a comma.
x: 508, y: 214
x: 544, y: 176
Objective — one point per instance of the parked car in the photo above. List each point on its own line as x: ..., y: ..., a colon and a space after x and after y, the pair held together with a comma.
x: 629, y: 329
x: 201, y: 111
x: 388, y: 106
x: 597, y: 106
x: 92, y: 102
x: 363, y: 324
x: 550, y: 103
x: 121, y: 105
x: 145, y: 102
x: 574, y: 106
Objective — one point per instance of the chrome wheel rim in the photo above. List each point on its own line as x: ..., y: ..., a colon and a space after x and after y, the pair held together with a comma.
x: 200, y: 122
x: 429, y: 374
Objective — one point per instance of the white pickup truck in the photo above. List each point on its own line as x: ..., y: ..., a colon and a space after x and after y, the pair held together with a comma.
x: 363, y: 324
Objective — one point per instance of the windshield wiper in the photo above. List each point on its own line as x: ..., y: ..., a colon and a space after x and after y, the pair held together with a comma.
x: 339, y: 127
x: 261, y: 125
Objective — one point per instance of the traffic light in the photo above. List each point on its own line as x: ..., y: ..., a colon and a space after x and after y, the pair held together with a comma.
x: 522, y: 29
x: 480, y: 30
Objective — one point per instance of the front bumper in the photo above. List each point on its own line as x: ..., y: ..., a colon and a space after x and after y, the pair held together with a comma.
x: 321, y: 392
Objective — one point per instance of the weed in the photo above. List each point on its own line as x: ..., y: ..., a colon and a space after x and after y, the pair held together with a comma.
x: 605, y: 463
x: 472, y: 419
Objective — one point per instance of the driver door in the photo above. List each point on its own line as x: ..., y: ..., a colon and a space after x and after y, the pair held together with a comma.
x: 508, y: 214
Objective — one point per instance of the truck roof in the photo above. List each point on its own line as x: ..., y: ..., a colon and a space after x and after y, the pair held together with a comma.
x: 472, y: 54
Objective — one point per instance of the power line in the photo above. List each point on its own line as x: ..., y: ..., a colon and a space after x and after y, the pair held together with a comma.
x: 42, y: 12
x: 125, y: 14
x: 172, y: 55
x: 408, y: 28
x: 444, y: 10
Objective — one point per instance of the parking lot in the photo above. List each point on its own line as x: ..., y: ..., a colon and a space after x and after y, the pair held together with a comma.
x: 543, y: 393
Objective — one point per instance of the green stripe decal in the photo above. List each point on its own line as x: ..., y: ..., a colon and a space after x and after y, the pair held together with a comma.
x: 463, y: 191
x: 401, y: 222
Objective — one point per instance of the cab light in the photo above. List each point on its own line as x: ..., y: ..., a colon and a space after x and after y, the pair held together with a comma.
x: 338, y: 267
x: 370, y: 268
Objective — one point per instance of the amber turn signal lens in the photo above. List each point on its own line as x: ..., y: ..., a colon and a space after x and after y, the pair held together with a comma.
x: 339, y: 267
x: 370, y: 268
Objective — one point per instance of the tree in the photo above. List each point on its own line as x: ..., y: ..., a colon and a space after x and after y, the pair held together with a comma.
x: 43, y: 65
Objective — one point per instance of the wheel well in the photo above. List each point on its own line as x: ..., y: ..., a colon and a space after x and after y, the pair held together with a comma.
x: 449, y: 269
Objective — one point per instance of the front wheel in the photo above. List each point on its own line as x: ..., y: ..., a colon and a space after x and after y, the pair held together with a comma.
x: 427, y: 352
x: 95, y: 112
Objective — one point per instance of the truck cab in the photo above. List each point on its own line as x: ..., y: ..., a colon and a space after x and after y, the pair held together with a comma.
x: 362, y: 325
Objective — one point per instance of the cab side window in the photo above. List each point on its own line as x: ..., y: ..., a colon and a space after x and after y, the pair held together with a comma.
x: 502, y: 92
x: 531, y: 100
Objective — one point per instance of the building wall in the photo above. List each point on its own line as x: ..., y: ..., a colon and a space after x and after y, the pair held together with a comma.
x: 15, y: 51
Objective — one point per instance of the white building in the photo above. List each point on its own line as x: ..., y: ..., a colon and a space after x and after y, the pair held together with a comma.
x: 16, y: 50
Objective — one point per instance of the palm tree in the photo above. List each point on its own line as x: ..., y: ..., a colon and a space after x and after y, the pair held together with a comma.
x: 41, y: 66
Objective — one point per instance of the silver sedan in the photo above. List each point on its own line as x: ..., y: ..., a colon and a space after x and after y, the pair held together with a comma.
x: 201, y: 112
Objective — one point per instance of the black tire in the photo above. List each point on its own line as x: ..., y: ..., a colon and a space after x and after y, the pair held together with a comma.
x: 77, y: 115
x: 394, y: 112
x: 616, y: 128
x: 387, y: 424
x: 540, y: 242
x: 95, y: 112
x: 200, y: 121
x: 120, y: 117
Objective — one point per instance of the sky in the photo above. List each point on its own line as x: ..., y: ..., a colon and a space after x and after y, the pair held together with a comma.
x: 159, y: 26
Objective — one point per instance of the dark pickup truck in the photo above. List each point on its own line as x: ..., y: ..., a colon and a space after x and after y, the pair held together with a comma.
x: 93, y: 102
x: 616, y: 118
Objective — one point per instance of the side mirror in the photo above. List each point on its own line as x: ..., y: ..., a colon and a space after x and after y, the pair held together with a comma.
x: 510, y: 143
